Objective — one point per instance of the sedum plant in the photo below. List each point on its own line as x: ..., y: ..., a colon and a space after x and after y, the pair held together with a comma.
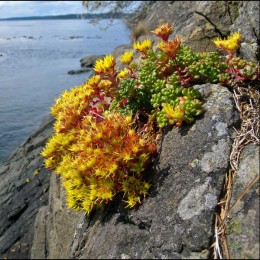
x: 98, y: 155
x: 238, y: 70
x: 159, y: 85
x: 105, y: 128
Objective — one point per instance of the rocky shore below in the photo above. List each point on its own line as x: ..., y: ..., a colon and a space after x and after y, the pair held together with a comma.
x: 189, y: 177
x: 22, y: 193
x: 86, y: 63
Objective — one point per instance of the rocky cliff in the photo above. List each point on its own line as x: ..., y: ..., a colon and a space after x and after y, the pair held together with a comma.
x: 189, y: 176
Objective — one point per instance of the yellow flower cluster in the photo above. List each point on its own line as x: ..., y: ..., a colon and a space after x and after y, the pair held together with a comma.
x: 143, y: 46
x: 127, y: 57
x: 71, y: 107
x: 229, y: 45
x: 105, y: 66
x: 171, y: 47
x: 124, y: 73
x: 94, y: 81
x: 164, y: 31
x: 98, y: 160
x: 131, y: 187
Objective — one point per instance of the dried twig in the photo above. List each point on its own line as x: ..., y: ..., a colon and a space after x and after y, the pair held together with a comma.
x: 242, y: 194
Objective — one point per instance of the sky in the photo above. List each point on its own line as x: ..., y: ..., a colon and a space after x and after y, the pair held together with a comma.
x: 39, y: 8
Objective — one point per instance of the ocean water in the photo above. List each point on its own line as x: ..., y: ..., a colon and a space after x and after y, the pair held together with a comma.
x: 35, y: 57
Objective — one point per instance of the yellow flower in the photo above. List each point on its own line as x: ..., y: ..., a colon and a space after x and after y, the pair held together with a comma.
x: 126, y: 155
x: 105, y: 190
x: 132, y: 201
x: 135, y: 147
x: 105, y: 84
x: 131, y: 132
x: 236, y: 36
x: 143, y: 46
x: 171, y: 47
x: 94, y: 80
x: 98, y: 67
x: 113, y: 167
x: 229, y: 45
x: 175, y: 115
x: 124, y: 73
x: 88, y: 205
x: 146, y: 187
x: 127, y: 57
x: 109, y: 61
x: 105, y: 66
x: 164, y: 31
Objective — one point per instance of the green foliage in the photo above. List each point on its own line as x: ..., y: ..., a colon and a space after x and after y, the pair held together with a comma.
x: 156, y: 83
x: 137, y: 98
x: 243, y: 70
x: 208, y: 68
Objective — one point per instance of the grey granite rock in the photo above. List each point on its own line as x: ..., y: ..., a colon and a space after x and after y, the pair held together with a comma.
x: 55, y: 225
x: 90, y: 60
x: 72, y: 72
x: 243, y: 225
x: 22, y: 194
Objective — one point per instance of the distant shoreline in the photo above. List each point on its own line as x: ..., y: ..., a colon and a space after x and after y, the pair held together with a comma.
x: 70, y: 16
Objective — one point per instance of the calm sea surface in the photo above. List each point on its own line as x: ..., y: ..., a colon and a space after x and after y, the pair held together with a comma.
x: 35, y: 57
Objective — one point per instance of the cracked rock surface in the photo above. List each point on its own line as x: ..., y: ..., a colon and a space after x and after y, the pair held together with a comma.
x: 243, y: 227
x: 199, y: 22
x: 22, y: 193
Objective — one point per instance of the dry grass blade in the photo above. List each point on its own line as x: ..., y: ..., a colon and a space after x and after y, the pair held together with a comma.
x: 242, y: 194
x: 221, y: 219
x: 216, y: 244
